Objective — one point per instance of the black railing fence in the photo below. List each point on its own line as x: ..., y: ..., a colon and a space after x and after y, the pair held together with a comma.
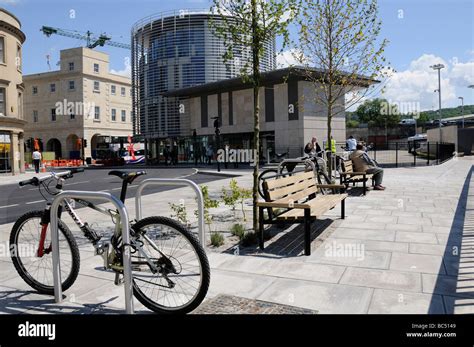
x: 412, y: 153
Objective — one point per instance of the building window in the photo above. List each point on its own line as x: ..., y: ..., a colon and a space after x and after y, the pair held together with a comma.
x: 72, y: 85
x: 2, y: 102
x: 71, y: 66
x: 114, y: 115
x: 96, y: 86
x: 35, y: 116
x: 113, y: 89
x: 53, y: 115
x: 18, y: 57
x: 52, y: 87
x: 96, y: 68
x: 124, y: 117
x: 122, y: 91
x: 35, y: 90
x: 2, y: 50
x: 97, y: 113
x: 5, y: 152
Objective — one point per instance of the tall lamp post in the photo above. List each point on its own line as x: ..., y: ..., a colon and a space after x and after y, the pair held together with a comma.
x: 462, y: 109
x: 439, y: 67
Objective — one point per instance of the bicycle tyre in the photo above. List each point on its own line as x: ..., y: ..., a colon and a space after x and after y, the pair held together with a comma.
x: 19, y: 264
x: 201, y: 257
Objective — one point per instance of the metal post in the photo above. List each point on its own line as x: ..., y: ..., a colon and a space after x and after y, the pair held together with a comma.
x: 396, y: 154
x: 439, y: 95
x: 124, y: 220
x: 414, y: 153
x: 428, y: 160
x: 173, y: 182
x: 437, y: 153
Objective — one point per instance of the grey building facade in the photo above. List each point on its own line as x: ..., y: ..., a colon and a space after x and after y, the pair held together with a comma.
x: 172, y: 51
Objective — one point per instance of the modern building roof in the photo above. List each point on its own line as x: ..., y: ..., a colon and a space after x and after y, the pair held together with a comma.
x: 268, y: 78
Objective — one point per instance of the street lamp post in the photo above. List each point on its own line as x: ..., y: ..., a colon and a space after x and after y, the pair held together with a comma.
x: 439, y: 67
x: 462, y: 109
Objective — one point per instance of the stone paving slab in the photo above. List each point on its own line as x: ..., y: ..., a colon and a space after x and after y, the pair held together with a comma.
x: 397, y: 302
x: 403, y: 281
x: 324, y: 297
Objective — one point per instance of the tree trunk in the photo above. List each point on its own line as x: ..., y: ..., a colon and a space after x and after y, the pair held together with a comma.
x: 256, y: 132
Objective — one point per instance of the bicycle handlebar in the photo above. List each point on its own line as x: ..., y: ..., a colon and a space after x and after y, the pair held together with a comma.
x: 36, y: 181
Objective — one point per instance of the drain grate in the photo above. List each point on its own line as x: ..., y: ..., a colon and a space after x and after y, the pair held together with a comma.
x: 227, y: 304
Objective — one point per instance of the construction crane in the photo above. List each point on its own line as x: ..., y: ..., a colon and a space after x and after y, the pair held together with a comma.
x: 92, y: 40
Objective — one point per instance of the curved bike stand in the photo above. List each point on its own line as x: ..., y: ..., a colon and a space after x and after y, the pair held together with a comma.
x: 173, y: 182
x: 86, y: 195
x: 299, y: 161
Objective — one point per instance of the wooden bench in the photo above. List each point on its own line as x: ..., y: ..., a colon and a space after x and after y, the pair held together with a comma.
x: 348, y: 176
x: 297, y: 196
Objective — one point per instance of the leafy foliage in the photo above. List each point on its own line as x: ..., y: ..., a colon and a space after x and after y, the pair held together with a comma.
x: 341, y: 39
x: 252, y: 24
x: 378, y: 113
x: 180, y: 212
x: 217, y: 239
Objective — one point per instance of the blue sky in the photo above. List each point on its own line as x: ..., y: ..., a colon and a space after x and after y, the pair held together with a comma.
x: 421, y: 33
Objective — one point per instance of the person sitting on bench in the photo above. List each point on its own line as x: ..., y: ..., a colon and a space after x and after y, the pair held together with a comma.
x: 363, y: 163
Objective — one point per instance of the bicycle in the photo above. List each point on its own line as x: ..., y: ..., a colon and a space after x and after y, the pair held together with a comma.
x: 170, y: 269
x: 288, y: 168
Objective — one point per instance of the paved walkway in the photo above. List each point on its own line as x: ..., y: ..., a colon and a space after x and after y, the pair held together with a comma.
x: 408, y: 249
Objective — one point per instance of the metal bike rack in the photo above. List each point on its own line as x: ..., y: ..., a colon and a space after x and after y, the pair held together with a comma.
x: 298, y: 161
x: 127, y: 271
x: 173, y: 182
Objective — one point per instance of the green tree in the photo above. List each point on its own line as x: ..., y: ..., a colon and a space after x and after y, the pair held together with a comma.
x: 251, y: 24
x: 378, y: 113
x: 340, y: 49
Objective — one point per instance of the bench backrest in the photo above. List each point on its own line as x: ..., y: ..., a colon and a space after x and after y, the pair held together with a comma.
x: 347, y: 166
x: 294, y: 188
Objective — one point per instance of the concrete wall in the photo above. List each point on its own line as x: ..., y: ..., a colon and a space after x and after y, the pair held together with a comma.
x: 289, y: 134
x: 448, y: 134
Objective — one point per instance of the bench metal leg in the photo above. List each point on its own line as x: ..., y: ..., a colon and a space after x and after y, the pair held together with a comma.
x: 365, y: 186
x: 260, y: 229
x: 307, y: 231
x: 343, y: 209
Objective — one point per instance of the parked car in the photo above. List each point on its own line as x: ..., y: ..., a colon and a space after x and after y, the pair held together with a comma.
x: 407, y: 121
x: 414, y: 142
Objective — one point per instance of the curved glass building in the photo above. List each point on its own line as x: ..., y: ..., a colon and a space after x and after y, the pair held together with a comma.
x: 175, y: 50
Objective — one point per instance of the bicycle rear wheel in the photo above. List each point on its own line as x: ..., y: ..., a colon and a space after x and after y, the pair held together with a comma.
x: 170, y: 269
x: 35, y: 269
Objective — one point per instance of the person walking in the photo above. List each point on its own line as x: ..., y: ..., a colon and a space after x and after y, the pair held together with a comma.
x: 363, y: 163
x: 36, y: 156
x: 351, y: 144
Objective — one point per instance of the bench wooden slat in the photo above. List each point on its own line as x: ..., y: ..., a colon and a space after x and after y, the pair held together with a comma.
x: 319, y: 206
x: 285, y: 181
x: 307, y: 184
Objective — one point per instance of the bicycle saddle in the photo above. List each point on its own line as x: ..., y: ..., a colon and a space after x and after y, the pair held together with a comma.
x: 128, y: 176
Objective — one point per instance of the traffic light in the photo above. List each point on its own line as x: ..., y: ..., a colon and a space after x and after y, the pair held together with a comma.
x: 84, y: 142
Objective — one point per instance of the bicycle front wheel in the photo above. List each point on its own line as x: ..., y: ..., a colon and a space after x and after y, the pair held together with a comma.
x: 170, y: 269
x: 31, y: 253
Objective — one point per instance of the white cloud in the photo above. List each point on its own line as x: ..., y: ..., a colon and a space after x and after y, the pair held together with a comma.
x: 289, y: 57
x: 417, y: 83
x: 126, y: 71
